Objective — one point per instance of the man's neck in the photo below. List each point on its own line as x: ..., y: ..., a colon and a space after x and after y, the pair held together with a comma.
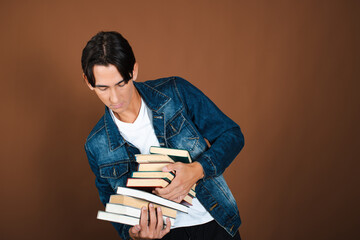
x: 132, y: 113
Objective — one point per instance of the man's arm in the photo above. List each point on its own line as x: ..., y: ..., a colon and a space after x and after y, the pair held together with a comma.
x: 105, y: 191
x: 223, y: 134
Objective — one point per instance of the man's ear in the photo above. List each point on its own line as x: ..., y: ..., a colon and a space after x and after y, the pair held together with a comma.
x: 87, y: 82
x: 135, y: 71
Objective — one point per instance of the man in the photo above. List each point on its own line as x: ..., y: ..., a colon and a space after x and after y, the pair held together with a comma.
x: 167, y: 112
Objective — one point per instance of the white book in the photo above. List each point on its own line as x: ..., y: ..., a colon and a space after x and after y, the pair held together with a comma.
x: 129, y: 211
x: 113, y: 217
x: 152, y: 198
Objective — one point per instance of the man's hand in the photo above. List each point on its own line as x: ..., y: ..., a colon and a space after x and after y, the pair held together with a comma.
x: 152, y: 229
x: 186, y: 176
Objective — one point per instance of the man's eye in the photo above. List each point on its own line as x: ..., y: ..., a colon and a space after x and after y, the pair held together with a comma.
x: 121, y: 84
x: 102, y: 88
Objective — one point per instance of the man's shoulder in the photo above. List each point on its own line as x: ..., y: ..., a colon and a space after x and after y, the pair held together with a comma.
x: 165, y: 82
x: 171, y: 87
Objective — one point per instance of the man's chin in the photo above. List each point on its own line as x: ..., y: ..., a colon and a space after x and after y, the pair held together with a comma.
x: 117, y: 111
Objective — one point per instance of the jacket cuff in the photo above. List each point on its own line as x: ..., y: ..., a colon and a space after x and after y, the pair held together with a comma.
x: 207, y: 165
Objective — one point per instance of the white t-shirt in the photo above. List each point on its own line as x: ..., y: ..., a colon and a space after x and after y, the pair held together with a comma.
x: 142, y: 135
x: 141, y: 132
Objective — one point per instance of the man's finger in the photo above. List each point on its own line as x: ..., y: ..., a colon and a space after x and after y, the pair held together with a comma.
x: 170, y: 190
x: 173, y: 190
x: 167, y: 229
x: 172, y: 167
x: 153, y: 218
x: 144, y: 218
x: 163, y: 191
x: 180, y: 198
x: 135, y: 229
x: 169, y: 193
x: 160, y: 220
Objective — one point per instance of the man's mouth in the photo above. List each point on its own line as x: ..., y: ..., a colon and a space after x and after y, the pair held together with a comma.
x: 115, y: 106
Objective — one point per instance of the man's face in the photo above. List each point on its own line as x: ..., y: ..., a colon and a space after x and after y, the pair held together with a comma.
x: 112, y: 90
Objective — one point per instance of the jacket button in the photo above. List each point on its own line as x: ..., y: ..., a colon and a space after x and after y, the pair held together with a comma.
x: 213, y: 206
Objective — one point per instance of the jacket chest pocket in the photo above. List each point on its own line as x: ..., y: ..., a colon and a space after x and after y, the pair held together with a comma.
x: 115, y: 174
x: 181, y: 134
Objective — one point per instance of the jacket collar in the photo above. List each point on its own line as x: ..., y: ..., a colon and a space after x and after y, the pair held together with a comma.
x: 154, y: 99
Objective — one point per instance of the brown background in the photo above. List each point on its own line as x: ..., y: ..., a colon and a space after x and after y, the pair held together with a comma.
x: 286, y: 71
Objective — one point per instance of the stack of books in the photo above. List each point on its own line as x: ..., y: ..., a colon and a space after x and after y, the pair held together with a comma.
x: 125, y: 206
x: 150, y: 176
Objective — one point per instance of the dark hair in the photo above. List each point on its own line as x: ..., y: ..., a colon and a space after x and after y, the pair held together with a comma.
x: 108, y: 48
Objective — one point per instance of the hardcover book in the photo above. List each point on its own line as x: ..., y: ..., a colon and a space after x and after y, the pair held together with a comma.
x: 178, y: 155
x: 143, y: 167
x: 154, y: 174
x: 148, y: 158
x: 147, y: 182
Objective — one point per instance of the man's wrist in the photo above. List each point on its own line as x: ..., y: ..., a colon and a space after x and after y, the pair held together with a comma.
x: 199, y: 170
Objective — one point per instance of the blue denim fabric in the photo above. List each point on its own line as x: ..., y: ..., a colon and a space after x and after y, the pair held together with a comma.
x: 182, y: 117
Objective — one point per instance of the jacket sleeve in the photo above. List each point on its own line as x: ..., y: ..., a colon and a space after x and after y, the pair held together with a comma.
x: 223, y: 134
x: 105, y: 191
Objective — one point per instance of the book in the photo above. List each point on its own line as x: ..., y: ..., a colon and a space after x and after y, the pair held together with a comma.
x: 129, y: 211
x: 188, y: 198
x: 113, y: 217
x: 151, y: 198
x: 148, y: 158
x: 147, y: 182
x: 143, y: 167
x: 178, y: 155
x: 168, y: 176
x: 139, y: 203
x: 192, y: 192
x: 153, y: 174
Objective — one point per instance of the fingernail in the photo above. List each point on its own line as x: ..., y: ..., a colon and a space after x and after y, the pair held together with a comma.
x: 143, y: 208
x: 137, y: 227
x: 151, y: 205
x: 159, y: 209
x: 165, y: 169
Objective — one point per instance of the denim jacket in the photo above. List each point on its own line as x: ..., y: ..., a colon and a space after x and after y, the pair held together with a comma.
x: 182, y: 117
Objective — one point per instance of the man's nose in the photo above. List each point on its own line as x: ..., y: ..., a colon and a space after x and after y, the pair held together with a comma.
x: 113, y: 96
